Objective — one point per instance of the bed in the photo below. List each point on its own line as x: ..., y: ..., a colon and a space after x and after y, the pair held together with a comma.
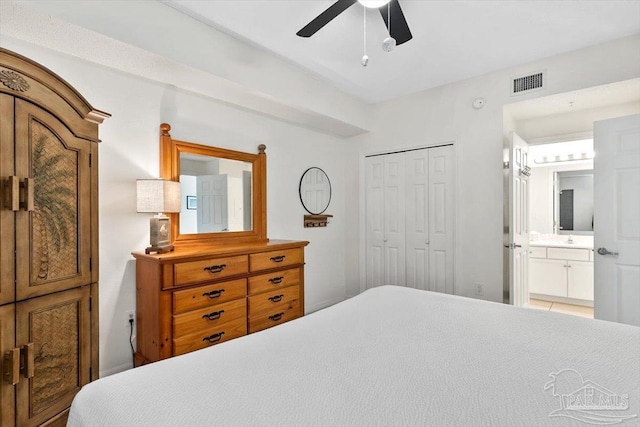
x: 390, y: 356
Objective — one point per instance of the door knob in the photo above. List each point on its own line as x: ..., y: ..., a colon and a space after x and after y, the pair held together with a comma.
x: 604, y: 251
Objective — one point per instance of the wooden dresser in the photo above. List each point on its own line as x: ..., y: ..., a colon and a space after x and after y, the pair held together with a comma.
x: 197, y: 297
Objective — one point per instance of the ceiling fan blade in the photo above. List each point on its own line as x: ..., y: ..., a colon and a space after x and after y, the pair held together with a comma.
x: 399, y: 27
x: 325, y: 17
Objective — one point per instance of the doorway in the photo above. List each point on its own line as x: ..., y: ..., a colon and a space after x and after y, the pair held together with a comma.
x: 567, y: 117
x: 561, y: 227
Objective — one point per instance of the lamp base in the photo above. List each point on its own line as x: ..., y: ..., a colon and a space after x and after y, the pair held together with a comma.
x: 159, y: 249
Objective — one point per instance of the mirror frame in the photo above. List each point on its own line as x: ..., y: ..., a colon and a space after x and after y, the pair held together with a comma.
x: 170, y: 150
x: 300, y: 191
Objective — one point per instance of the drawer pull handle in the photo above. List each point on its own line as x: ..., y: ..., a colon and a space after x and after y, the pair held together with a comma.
x: 215, y: 268
x: 215, y: 315
x: 276, y: 317
x: 213, y: 294
x: 212, y: 339
x: 277, y: 298
x: 278, y: 258
x: 276, y: 280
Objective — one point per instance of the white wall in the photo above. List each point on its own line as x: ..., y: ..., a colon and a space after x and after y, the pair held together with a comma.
x: 445, y: 114
x: 574, y: 122
x: 130, y: 149
x: 188, y: 217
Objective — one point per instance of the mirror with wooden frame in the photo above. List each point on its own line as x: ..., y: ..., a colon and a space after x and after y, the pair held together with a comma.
x: 223, y: 192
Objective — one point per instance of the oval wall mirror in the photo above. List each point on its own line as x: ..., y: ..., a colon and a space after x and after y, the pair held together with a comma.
x: 315, y: 191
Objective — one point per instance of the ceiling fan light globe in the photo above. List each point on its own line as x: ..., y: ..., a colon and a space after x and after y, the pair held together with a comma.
x: 373, y: 3
x: 388, y: 44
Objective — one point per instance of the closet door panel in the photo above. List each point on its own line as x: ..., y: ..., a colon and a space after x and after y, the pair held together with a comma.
x: 417, y: 218
x: 7, y: 215
x: 54, y: 238
x: 374, y: 264
x: 394, y: 220
x: 441, y: 219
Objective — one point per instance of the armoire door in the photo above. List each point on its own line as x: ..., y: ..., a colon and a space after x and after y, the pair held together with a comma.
x: 9, y: 203
x: 58, y: 326
x: 7, y: 341
x: 53, y: 238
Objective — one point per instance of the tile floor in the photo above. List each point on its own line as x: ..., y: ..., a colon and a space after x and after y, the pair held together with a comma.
x: 576, y: 310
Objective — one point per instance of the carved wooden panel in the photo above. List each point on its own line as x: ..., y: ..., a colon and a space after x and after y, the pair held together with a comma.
x: 7, y: 340
x: 58, y: 325
x: 53, y: 243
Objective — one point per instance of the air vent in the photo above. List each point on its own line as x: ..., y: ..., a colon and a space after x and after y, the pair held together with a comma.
x: 528, y: 83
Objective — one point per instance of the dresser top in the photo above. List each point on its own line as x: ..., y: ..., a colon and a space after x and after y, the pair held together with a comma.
x: 204, y: 251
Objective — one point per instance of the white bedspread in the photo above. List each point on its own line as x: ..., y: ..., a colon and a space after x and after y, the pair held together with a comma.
x: 390, y: 356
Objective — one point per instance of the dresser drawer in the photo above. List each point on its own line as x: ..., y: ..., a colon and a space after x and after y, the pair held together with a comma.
x: 265, y: 302
x: 569, y: 254
x: 211, y: 269
x: 275, y: 316
x: 208, y: 296
x: 221, y: 333
x: 272, y: 281
x: 205, y: 318
x: 537, y: 252
x: 275, y: 259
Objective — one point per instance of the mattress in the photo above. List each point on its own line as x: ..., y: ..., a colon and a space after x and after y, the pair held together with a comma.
x: 390, y: 356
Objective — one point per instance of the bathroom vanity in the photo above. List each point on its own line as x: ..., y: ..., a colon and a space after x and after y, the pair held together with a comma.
x: 562, y: 272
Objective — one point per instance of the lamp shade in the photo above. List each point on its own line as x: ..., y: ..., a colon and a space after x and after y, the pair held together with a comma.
x: 158, y: 196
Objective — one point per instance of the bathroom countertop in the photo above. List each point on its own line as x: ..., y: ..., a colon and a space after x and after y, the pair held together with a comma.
x: 556, y: 244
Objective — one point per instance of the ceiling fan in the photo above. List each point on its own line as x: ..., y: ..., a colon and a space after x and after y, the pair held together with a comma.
x: 389, y: 10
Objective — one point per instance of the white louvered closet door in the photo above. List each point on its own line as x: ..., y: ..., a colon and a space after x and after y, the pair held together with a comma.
x: 409, y: 219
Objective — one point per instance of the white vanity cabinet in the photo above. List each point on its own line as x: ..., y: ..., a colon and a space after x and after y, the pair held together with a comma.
x: 561, y: 272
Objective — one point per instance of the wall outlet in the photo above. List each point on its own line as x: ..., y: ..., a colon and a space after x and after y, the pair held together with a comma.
x: 479, y: 289
x: 131, y: 314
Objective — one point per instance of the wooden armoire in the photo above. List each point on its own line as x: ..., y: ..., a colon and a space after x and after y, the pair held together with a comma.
x: 49, y: 243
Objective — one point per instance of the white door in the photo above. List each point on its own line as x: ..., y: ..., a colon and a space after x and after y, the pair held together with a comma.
x: 394, y: 220
x: 518, y: 244
x: 374, y: 235
x: 212, y: 203
x: 441, y: 219
x: 617, y: 219
x: 417, y: 218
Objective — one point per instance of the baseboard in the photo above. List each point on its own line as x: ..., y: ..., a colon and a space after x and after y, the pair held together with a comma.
x: 324, y: 304
x: 115, y: 370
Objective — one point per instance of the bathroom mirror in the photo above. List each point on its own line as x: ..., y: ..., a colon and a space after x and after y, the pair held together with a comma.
x: 223, y: 191
x: 573, y: 202
x: 315, y: 191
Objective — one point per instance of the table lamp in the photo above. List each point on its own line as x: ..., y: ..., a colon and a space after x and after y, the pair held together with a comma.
x: 158, y: 196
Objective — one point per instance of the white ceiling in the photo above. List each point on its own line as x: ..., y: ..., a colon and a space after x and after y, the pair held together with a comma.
x: 452, y: 40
